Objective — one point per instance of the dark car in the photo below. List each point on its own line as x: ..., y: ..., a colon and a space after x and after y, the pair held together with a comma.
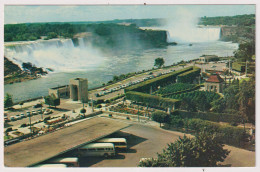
x: 37, y: 105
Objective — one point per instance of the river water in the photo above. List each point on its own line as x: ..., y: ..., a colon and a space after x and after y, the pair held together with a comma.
x: 85, y: 61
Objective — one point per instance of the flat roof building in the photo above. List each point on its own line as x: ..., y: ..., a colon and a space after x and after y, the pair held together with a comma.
x: 42, y: 148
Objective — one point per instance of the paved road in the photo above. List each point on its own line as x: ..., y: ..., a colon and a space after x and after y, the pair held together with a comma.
x: 146, y: 141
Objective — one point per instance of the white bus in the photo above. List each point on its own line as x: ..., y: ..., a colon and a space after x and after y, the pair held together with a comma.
x: 97, y: 149
x: 51, y: 165
x: 69, y: 161
x: 118, y: 142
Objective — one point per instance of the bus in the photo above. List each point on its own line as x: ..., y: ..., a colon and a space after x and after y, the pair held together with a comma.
x: 69, y: 161
x: 97, y: 149
x: 118, y: 142
x: 51, y: 165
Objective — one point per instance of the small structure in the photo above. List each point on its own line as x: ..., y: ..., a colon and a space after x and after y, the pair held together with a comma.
x: 214, y: 83
x: 208, y: 58
x: 61, y: 91
x: 79, y: 89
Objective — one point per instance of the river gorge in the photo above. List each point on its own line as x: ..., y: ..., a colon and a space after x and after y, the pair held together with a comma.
x: 70, y: 60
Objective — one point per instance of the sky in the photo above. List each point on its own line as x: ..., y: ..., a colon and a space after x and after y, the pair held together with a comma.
x: 66, y: 13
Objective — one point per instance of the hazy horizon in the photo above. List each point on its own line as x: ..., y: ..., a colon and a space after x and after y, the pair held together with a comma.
x: 14, y: 14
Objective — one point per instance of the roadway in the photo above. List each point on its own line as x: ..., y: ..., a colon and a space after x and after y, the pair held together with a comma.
x: 145, y: 140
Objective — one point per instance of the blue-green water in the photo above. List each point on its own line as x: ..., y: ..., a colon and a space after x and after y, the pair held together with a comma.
x: 98, y: 67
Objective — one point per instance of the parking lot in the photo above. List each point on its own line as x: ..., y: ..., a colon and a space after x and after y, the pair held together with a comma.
x: 66, y: 105
x: 145, y: 141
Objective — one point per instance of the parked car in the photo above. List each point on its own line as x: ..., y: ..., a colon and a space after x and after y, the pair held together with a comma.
x: 22, y: 115
x: 28, y: 113
x: 37, y: 105
x: 47, y: 112
x: 12, y: 118
x: 39, y: 111
x: 18, y: 116
x: 33, y: 112
x: 6, y: 119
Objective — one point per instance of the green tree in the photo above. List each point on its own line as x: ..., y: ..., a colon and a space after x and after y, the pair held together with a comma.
x: 218, y: 105
x: 204, y: 150
x: 187, y: 104
x: 160, y: 117
x: 8, y: 101
x: 245, y: 51
x: 52, y: 100
x: 245, y: 94
x: 230, y: 97
x: 83, y: 111
x: 159, y: 62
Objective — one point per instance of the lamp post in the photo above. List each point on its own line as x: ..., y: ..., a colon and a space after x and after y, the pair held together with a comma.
x: 30, y: 123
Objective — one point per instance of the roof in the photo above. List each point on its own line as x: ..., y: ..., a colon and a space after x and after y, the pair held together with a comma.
x: 112, y: 140
x: 215, y: 78
x: 98, y: 145
x: 52, y: 165
x: 42, y: 148
x: 63, y: 160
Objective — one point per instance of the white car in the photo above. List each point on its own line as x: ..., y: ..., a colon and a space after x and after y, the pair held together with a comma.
x: 34, y: 113
x: 18, y: 116
x: 12, y: 118
x: 22, y: 115
x: 47, y: 112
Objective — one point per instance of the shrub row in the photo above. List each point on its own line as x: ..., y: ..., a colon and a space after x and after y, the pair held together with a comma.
x: 158, y: 81
x: 175, y: 87
x: 226, y: 133
x: 188, y: 76
x: 215, y: 117
x: 183, y: 91
x: 152, y: 100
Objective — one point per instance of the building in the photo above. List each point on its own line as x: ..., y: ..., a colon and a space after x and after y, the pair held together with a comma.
x: 61, y: 91
x: 77, y: 90
x: 214, y: 83
x: 208, y: 58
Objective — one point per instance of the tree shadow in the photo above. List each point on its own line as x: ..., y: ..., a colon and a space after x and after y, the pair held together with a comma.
x: 89, y: 161
x: 131, y: 139
x: 130, y: 151
x: 224, y: 165
x: 59, y: 109
x: 6, y: 125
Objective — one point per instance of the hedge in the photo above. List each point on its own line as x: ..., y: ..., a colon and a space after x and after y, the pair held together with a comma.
x: 152, y: 100
x: 226, y: 133
x: 188, y: 76
x: 158, y: 81
x: 183, y: 91
x: 238, y: 66
x: 216, y: 117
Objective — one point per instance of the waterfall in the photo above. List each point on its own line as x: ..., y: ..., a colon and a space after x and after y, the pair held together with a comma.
x: 196, y: 34
x: 58, y: 54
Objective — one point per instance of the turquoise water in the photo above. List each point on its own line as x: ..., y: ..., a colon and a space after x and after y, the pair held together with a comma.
x: 100, y: 67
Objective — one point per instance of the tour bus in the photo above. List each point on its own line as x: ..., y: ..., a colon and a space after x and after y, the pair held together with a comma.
x: 118, y: 142
x: 97, y: 149
x: 51, y: 165
x: 69, y: 161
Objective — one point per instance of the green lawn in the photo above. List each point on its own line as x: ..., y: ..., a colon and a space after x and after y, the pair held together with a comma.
x: 7, y: 137
x: 244, y: 79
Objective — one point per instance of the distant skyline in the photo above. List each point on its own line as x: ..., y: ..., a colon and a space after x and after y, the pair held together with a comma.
x: 68, y: 13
